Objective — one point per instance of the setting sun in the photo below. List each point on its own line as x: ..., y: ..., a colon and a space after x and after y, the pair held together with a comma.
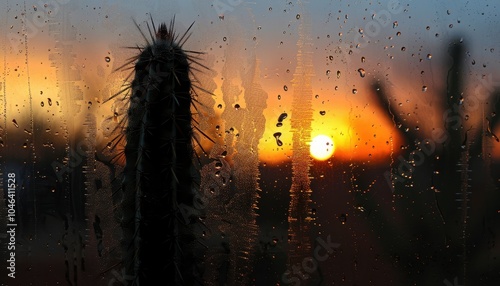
x: 322, y: 147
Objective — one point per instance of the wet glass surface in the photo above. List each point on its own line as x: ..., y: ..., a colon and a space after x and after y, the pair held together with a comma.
x: 335, y: 142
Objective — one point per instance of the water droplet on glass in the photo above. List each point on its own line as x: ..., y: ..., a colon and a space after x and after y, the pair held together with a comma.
x: 224, y: 39
x: 279, y: 96
x: 297, y: 16
x: 361, y: 72
x: 15, y: 123
x: 327, y: 72
x: 429, y: 56
x: 363, y: 59
x: 343, y: 218
x: 217, y: 127
x: 219, y: 106
x: 236, y: 106
x: 107, y: 59
x: 285, y: 88
x: 331, y: 58
x: 338, y: 74
x: 461, y: 100
x: 322, y: 112
x: 49, y: 101
x: 395, y: 24
x: 282, y: 117
x: 277, y: 136
x: 466, y: 117
x: 218, y: 165
x: 275, y: 240
x: 279, y: 124
x: 354, y: 91
x: 42, y: 104
x: 25, y: 145
x: 424, y: 88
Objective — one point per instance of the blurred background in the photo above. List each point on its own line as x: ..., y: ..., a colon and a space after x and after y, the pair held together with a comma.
x: 401, y: 188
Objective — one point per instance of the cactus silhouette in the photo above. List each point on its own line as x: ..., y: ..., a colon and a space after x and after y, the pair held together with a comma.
x: 159, y: 241
x: 447, y: 180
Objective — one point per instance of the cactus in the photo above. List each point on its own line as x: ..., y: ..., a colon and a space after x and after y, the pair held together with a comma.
x: 158, y: 243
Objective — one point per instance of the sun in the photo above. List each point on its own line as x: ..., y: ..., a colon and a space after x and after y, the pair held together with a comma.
x: 322, y: 147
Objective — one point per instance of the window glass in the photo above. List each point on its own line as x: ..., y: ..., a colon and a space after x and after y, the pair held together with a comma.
x: 334, y: 142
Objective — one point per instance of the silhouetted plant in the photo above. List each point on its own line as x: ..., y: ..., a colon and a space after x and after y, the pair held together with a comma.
x: 444, y: 209
x: 159, y: 242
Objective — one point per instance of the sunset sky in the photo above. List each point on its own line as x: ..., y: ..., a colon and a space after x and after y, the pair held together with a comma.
x: 406, y: 54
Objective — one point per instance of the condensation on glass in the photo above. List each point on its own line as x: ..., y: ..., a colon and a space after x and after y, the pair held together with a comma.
x: 407, y: 94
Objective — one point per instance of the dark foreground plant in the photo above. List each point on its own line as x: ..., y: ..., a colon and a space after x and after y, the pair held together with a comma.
x: 159, y: 244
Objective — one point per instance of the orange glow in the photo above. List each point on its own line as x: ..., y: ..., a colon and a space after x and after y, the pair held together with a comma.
x: 359, y: 129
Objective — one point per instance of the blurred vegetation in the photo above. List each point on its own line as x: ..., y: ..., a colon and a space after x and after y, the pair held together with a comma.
x: 444, y: 215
